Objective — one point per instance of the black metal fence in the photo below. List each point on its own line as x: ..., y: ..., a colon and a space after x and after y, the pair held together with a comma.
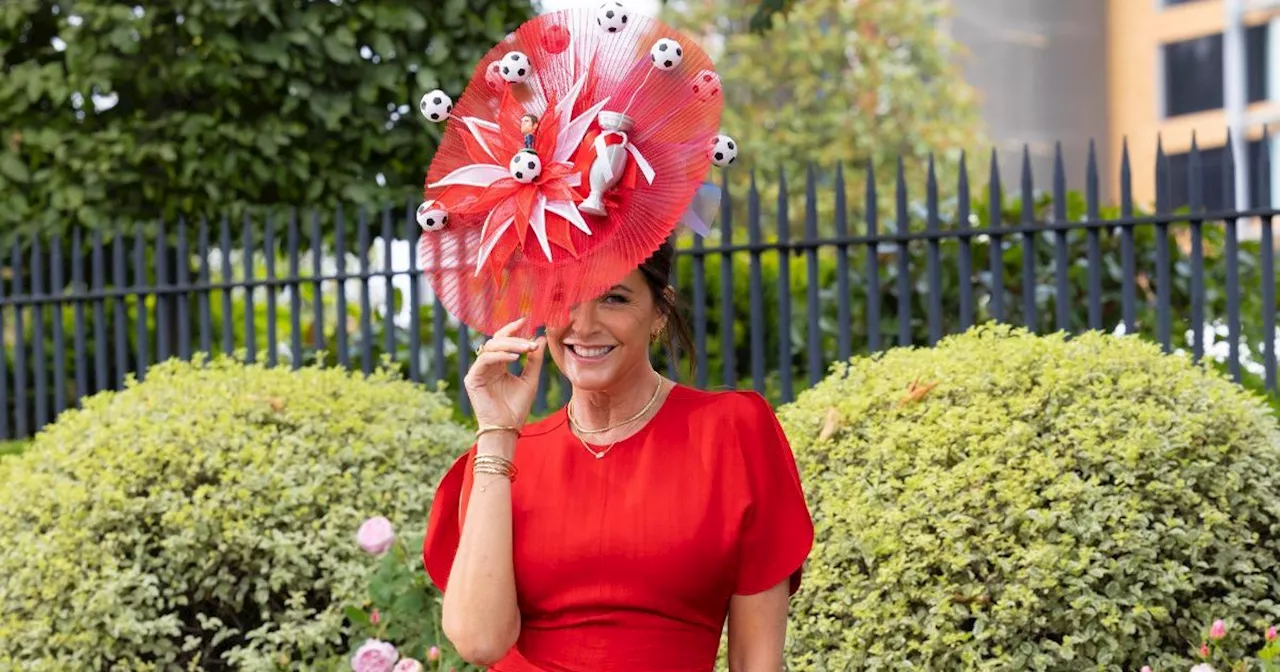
x: 80, y: 313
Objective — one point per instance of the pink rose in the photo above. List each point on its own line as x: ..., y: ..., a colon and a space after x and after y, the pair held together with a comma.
x: 1271, y: 634
x: 1146, y: 668
x: 374, y: 656
x: 375, y: 617
x: 408, y: 665
x: 376, y: 535
x: 1218, y: 630
x: 1204, y: 650
x: 434, y: 654
x: 1203, y: 667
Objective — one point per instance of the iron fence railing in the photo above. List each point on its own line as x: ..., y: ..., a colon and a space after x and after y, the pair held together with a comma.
x: 772, y: 304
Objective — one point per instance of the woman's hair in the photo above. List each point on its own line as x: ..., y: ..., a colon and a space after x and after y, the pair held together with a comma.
x: 677, y: 335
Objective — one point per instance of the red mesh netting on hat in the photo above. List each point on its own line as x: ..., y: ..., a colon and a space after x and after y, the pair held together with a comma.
x: 516, y: 245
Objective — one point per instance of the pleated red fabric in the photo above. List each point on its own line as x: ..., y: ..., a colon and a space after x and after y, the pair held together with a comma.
x: 629, y: 562
x: 516, y: 248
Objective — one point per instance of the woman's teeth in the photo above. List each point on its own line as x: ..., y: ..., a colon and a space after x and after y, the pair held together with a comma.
x: 583, y: 351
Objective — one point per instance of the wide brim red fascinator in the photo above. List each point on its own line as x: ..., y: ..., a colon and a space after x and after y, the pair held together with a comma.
x: 581, y: 142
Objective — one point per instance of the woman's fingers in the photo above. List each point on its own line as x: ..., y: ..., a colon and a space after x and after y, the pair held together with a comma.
x: 533, y: 365
x: 508, y: 344
x: 509, y: 328
x: 489, y: 363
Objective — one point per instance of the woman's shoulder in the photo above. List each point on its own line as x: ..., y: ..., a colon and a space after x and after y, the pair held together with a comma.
x: 731, y: 404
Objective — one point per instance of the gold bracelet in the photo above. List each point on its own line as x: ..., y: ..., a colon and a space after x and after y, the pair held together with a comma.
x: 485, y: 429
x: 496, y: 466
x: 493, y: 464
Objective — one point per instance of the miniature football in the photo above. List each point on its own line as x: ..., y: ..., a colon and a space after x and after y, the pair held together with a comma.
x: 525, y: 167
x: 724, y: 150
x: 705, y: 86
x: 432, y: 217
x: 516, y: 67
x: 436, y: 105
x: 612, y: 17
x: 666, y: 54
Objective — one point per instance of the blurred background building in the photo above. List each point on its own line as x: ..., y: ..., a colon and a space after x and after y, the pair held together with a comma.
x: 1141, y: 70
x: 1107, y: 71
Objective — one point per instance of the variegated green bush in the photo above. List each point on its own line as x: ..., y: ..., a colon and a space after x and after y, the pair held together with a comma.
x: 1052, y: 504
x: 206, y: 517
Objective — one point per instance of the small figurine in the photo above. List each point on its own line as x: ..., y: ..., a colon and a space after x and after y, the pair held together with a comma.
x: 528, y: 126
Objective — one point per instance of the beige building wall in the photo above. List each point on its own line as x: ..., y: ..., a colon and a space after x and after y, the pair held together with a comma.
x: 1135, y: 91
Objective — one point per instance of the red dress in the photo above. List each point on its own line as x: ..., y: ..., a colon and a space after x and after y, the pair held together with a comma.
x: 628, y: 562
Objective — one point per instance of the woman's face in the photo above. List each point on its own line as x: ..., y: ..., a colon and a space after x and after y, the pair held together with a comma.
x: 607, y: 338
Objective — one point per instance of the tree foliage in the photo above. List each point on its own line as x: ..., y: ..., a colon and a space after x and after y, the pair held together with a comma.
x: 837, y: 81
x: 140, y: 110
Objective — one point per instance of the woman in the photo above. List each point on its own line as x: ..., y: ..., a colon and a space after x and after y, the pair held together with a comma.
x: 620, y: 532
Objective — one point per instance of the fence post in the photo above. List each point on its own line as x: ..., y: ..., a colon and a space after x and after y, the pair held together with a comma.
x: 965, y: 259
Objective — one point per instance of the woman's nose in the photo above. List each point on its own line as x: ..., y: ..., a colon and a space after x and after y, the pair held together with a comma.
x: 582, y: 318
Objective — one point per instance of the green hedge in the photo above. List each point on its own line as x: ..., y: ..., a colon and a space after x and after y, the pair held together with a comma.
x: 1052, y: 504
x: 206, y: 517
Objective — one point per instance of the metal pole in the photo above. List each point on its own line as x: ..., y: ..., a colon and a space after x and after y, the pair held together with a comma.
x: 1235, y: 82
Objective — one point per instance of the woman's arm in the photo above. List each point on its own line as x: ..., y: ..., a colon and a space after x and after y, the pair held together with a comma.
x: 480, y: 617
x: 758, y: 630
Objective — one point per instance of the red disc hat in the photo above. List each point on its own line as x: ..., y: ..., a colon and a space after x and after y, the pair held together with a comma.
x: 580, y: 143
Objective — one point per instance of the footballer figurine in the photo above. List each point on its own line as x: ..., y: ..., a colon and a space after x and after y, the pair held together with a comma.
x: 528, y: 126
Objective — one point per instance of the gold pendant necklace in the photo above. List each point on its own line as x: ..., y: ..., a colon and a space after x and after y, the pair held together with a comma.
x: 597, y: 454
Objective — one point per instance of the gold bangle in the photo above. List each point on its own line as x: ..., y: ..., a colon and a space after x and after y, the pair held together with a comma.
x: 485, y: 429
x: 493, y: 464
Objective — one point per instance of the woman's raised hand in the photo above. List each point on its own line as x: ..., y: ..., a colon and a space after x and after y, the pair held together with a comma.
x: 498, y: 397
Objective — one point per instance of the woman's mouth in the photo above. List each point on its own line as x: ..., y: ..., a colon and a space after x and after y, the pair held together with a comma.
x: 590, y: 352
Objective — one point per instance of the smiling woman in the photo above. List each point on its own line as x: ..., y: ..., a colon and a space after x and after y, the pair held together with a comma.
x: 620, y: 532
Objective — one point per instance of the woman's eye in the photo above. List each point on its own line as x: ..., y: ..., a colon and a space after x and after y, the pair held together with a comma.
x: 615, y: 298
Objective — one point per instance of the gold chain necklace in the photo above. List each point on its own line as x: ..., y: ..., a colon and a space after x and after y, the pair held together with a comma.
x: 579, y: 429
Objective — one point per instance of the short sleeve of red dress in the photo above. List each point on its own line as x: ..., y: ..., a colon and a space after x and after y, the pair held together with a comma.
x: 777, y: 530
x: 444, y: 524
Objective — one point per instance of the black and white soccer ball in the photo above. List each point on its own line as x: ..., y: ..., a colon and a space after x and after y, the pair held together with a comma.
x: 666, y: 54
x: 432, y: 217
x: 525, y: 167
x: 723, y: 151
x: 515, y: 67
x: 436, y: 105
x: 612, y: 17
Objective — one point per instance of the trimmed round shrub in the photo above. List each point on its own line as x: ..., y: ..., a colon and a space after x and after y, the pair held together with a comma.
x: 206, y: 518
x: 1011, y: 502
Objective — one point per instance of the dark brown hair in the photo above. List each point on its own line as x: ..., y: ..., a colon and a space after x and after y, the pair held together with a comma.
x: 677, y: 335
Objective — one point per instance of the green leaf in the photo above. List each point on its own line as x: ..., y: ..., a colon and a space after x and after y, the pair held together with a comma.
x: 383, y: 45
x: 13, y: 168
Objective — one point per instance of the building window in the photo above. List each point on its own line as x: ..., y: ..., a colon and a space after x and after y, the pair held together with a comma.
x: 1212, y: 168
x: 1193, y: 72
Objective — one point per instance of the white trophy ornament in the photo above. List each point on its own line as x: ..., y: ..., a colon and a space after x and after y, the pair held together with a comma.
x: 611, y: 147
